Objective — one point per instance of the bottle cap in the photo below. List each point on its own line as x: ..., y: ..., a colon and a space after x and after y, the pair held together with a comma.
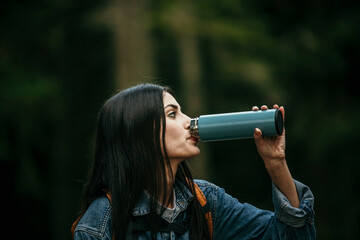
x: 194, y: 128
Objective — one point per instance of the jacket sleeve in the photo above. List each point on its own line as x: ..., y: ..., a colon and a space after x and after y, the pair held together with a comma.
x: 299, y: 221
x: 235, y: 220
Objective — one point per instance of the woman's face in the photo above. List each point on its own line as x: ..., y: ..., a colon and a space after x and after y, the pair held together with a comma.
x: 178, y: 141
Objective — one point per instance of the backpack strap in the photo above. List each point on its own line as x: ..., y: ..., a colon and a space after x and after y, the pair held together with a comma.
x: 205, y: 208
x: 75, y: 224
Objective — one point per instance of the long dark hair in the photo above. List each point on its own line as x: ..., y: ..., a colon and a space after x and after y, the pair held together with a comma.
x: 128, y: 158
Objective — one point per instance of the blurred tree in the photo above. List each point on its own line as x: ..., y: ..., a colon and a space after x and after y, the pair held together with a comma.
x: 130, y: 23
x: 178, y: 18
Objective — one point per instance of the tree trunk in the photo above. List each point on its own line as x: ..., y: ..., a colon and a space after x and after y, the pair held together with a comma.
x: 183, y: 23
x: 129, y: 21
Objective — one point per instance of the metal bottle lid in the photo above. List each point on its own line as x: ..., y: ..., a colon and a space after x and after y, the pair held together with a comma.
x: 194, y: 128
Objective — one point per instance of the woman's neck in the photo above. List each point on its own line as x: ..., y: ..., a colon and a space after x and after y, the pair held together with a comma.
x: 170, y: 177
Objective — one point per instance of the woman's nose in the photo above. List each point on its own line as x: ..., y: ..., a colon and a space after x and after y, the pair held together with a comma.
x: 187, y: 122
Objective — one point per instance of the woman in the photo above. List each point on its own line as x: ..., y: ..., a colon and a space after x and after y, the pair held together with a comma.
x: 140, y: 186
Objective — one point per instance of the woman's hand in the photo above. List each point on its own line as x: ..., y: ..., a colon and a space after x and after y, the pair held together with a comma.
x: 271, y: 149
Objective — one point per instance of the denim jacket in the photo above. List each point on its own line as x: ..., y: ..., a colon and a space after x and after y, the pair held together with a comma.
x: 231, y: 219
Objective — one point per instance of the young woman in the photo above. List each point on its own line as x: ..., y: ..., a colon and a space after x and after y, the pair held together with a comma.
x: 140, y: 186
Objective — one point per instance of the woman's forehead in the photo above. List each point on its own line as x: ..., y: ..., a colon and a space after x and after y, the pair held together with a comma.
x: 169, y: 99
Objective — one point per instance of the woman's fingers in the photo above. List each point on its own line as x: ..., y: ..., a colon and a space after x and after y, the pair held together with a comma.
x: 257, y: 134
x: 264, y: 107
x: 282, y: 111
x: 256, y: 108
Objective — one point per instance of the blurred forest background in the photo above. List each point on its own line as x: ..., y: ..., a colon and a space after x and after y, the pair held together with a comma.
x: 60, y: 60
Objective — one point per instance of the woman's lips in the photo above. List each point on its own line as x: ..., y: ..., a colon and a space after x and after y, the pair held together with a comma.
x: 193, y: 139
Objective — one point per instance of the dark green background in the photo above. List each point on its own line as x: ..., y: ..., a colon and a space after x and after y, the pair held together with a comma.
x: 57, y: 68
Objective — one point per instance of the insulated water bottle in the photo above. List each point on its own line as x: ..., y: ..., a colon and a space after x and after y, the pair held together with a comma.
x: 237, y: 125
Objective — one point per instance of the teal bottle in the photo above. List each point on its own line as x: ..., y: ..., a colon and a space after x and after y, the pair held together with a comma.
x: 237, y: 125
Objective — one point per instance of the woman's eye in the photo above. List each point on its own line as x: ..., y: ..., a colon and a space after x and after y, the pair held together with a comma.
x: 172, y: 114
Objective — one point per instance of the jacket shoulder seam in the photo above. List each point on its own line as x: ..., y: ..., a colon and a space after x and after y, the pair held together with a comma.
x: 98, y: 230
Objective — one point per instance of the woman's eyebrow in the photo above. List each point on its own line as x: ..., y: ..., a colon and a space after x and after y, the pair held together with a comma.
x: 173, y: 106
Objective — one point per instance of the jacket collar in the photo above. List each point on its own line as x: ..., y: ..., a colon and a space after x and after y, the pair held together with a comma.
x: 182, y: 195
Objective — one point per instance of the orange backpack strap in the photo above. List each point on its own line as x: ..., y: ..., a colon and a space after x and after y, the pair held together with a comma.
x: 75, y: 224
x: 202, y: 199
